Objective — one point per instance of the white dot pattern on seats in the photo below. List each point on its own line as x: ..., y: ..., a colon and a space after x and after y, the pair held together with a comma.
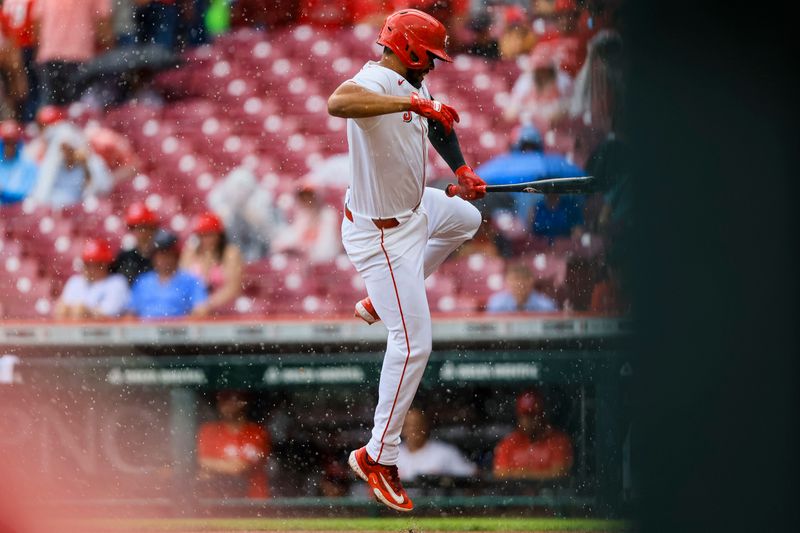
x: 262, y: 50
x: 232, y: 144
x: 46, y: 225
x: 237, y: 87
x: 297, y: 85
x: 221, y: 69
x: 187, y: 163
x: 169, y: 145
x: 210, y: 126
x: 447, y: 304
x: 476, y: 262
x: 253, y: 105
x: 24, y: 285
x: 293, y: 281
x: 62, y: 244
x: 42, y: 306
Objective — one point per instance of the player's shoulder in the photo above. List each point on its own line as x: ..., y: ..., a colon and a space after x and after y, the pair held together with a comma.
x: 373, y: 75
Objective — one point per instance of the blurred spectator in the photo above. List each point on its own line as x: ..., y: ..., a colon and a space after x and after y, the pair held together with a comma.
x: 558, y: 215
x: 607, y: 298
x: 260, y: 13
x: 579, y: 284
x: 193, y: 14
x: 70, y: 171
x: 143, y: 223
x: 335, y: 481
x: 419, y: 455
x: 69, y: 32
x: 540, y: 94
x: 96, y: 293
x: 232, y: 452
x: 166, y: 291
x: 525, y: 161
x: 313, y: 230
x: 535, y: 449
x: 114, y: 149
x: 16, y: 23
x: 599, y: 92
x: 519, y: 293
x: 486, y: 242
x: 214, y: 260
x: 13, y: 85
x: 122, y: 22
x: 49, y: 118
x: 565, y: 43
x: 517, y: 38
x: 247, y: 210
x: 483, y: 42
x: 156, y: 22
x: 17, y: 172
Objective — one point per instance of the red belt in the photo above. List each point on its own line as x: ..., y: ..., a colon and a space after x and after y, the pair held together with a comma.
x: 380, y: 223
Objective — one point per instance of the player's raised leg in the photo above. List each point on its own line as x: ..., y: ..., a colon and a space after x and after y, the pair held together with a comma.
x: 451, y: 222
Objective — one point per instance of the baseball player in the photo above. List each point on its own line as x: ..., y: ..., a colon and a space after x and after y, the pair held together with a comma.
x: 396, y: 231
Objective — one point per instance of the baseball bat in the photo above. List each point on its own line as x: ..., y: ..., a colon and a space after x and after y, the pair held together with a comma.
x: 576, y: 185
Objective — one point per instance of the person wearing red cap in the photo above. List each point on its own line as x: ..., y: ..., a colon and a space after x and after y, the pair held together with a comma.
x: 17, y: 172
x: 96, y: 293
x: 143, y: 223
x: 535, y: 449
x: 210, y: 257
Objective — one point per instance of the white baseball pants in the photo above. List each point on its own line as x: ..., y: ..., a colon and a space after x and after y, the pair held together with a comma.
x: 394, y: 264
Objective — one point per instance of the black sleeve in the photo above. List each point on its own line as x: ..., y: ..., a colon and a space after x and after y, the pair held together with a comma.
x: 446, y: 145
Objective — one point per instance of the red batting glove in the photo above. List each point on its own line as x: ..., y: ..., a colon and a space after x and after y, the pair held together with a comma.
x: 470, y: 185
x: 435, y: 110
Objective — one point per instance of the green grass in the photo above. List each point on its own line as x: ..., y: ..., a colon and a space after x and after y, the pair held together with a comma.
x: 420, y: 525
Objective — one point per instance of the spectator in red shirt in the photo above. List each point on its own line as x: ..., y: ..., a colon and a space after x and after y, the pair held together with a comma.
x: 16, y: 23
x: 535, y: 449
x: 232, y: 452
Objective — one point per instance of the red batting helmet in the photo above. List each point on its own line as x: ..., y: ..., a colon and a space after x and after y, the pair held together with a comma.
x: 208, y: 222
x: 412, y: 34
x: 138, y: 214
x: 97, y: 251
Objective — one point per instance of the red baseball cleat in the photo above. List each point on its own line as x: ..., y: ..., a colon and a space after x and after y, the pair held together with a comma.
x: 382, y: 479
x: 366, y: 312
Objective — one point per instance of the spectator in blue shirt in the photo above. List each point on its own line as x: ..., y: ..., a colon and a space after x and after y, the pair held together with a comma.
x: 519, y: 294
x: 166, y: 291
x: 558, y: 216
x: 17, y: 172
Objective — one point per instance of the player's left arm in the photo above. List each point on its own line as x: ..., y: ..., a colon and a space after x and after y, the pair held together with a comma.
x: 470, y: 185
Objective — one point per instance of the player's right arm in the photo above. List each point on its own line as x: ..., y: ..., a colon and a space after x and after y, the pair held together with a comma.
x: 350, y: 100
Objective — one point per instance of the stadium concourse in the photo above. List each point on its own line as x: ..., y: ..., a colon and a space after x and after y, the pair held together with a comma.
x: 258, y: 100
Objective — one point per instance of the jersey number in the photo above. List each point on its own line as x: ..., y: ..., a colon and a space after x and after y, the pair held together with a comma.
x: 407, y: 116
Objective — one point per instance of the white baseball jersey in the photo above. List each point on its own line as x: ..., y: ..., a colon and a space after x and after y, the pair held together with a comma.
x: 109, y: 295
x: 434, y: 458
x: 388, y: 153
